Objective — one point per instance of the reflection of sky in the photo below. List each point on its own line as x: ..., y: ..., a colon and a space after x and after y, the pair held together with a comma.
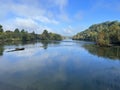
x: 54, y: 66
x: 34, y: 56
x: 31, y: 58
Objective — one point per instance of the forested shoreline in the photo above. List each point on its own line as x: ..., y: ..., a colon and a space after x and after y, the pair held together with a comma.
x: 23, y: 35
x: 104, y: 34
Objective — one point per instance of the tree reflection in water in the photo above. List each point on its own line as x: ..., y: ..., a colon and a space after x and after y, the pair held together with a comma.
x: 45, y: 43
x: 106, y: 52
x: 1, y: 50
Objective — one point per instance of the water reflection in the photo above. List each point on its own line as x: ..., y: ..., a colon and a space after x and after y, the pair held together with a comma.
x: 45, y: 43
x: 14, y: 46
x: 106, y: 52
x: 1, y: 50
x: 41, y: 70
x: 57, y: 66
x: 6, y: 86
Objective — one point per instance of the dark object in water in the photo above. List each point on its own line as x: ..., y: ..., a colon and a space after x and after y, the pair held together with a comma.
x: 16, y: 49
x: 19, y: 48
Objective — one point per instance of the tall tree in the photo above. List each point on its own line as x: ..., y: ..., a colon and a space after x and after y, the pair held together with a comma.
x: 1, y: 28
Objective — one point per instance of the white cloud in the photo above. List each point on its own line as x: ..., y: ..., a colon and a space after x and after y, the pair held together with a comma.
x: 64, y: 17
x: 61, y: 8
x: 31, y: 9
x: 33, y: 15
x: 60, y: 3
x: 38, y: 14
x: 45, y: 20
x: 25, y: 23
x: 28, y: 24
x: 68, y: 30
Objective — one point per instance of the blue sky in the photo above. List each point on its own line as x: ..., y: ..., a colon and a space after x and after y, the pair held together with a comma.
x: 66, y: 17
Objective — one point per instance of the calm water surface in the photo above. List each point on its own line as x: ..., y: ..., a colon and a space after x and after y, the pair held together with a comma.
x: 65, y: 65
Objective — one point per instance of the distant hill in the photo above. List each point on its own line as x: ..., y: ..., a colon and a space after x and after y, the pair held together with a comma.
x: 103, y: 34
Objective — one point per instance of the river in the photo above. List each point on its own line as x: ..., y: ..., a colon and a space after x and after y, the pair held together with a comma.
x: 59, y: 65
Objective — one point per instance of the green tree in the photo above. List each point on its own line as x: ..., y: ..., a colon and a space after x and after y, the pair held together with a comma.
x: 17, y: 34
x: 23, y: 35
x: 103, y: 39
x: 16, y: 30
x: 45, y: 35
x: 1, y: 28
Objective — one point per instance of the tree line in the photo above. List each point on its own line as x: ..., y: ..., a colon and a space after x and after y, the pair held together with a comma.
x: 22, y: 35
x: 104, y: 34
